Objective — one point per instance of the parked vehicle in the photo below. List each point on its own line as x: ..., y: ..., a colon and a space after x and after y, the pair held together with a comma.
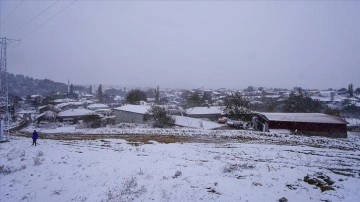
x: 235, y: 124
x: 222, y: 120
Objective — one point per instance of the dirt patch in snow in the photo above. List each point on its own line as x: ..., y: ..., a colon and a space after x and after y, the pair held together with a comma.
x: 146, y: 139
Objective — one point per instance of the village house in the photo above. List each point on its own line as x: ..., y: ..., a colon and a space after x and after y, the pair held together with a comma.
x: 212, y: 113
x: 97, y: 106
x: 131, y: 113
x: 189, y: 122
x: 304, y: 123
x: 75, y: 115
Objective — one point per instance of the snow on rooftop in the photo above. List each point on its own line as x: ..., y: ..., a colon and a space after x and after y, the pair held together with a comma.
x: 204, y: 110
x: 98, y: 106
x: 42, y: 107
x: 27, y: 112
x: 140, y: 109
x: 63, y: 100
x: 76, y: 103
x: 118, y: 98
x: 195, y: 123
x: 304, y: 117
x: 75, y: 112
x: 47, y: 114
x: 322, y: 99
x: 61, y: 105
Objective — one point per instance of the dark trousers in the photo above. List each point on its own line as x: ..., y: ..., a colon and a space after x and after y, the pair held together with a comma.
x: 34, y: 142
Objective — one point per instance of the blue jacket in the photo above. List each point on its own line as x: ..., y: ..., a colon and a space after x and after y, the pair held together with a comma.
x: 35, y: 135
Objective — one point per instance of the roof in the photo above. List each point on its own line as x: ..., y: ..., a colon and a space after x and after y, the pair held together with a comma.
x: 139, y: 109
x: 63, y: 100
x: 46, y: 114
x: 42, y: 107
x: 304, y: 118
x: 204, y: 110
x: 76, y: 103
x: 75, y: 112
x: 61, y: 105
x: 27, y: 112
x: 195, y: 123
x: 97, y: 106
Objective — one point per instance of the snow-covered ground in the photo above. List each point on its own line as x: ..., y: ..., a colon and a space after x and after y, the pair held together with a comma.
x: 116, y: 170
x: 275, y: 137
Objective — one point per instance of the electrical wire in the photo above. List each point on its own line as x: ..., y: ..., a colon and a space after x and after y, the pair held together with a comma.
x: 7, y: 17
x: 39, y: 14
x: 49, y: 19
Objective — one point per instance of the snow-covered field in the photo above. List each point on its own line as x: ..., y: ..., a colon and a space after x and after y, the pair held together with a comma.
x: 116, y: 170
x: 276, y: 137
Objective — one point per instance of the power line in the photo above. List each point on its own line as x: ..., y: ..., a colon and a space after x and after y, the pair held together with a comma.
x: 52, y: 17
x: 7, y: 17
x: 42, y: 12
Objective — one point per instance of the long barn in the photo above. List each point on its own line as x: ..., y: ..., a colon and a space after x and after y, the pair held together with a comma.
x: 305, y: 123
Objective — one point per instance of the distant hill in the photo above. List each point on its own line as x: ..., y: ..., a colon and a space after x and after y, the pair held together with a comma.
x: 21, y: 85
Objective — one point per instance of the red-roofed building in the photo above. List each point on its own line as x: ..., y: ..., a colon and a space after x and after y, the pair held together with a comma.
x: 304, y: 123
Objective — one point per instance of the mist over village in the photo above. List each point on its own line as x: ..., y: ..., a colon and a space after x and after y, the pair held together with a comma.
x: 179, y: 101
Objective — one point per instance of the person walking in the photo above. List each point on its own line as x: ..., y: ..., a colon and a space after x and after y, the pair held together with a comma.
x: 34, y: 137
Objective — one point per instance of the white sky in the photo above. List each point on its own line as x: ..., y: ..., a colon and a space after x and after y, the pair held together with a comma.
x: 187, y: 44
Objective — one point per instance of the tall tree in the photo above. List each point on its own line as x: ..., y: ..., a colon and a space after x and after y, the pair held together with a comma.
x: 71, y: 90
x: 194, y: 100
x: 302, y: 103
x: 161, y: 117
x: 351, y: 90
x: 100, y: 94
x: 90, y: 90
x: 135, y: 96
x: 237, y: 107
x: 157, y: 95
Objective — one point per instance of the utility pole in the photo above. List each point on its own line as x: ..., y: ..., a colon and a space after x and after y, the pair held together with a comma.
x: 4, y: 96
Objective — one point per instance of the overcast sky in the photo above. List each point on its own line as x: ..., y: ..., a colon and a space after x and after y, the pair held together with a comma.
x: 187, y: 44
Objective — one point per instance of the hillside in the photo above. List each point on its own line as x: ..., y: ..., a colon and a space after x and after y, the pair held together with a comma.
x: 21, y: 85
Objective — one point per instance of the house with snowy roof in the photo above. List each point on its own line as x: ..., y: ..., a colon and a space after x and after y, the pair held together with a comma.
x: 212, y: 113
x: 304, y: 123
x: 189, y: 122
x: 97, y: 106
x: 131, y: 113
x: 75, y: 115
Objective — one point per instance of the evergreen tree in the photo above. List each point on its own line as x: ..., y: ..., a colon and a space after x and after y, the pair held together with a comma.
x: 71, y: 90
x: 301, y: 103
x: 237, y: 107
x: 135, y: 96
x: 194, y: 100
x: 100, y: 94
x: 332, y: 95
x: 90, y: 90
x: 351, y: 90
x: 161, y: 117
x: 157, y: 95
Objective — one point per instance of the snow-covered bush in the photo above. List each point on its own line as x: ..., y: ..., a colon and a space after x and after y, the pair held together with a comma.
x: 5, y: 170
x: 37, y: 159
x: 237, y: 167
x: 177, y: 174
x: 130, y: 190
